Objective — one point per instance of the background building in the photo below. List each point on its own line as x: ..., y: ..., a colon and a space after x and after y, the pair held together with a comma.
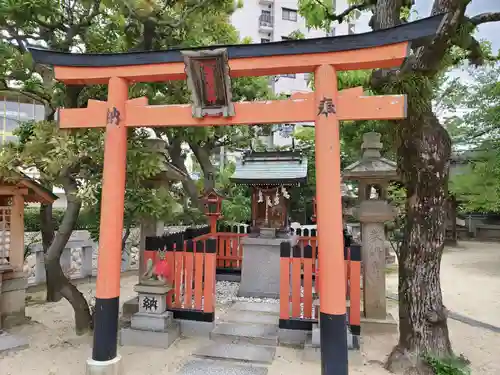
x: 15, y: 109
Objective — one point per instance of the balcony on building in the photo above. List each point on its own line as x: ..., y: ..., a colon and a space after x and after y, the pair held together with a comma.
x: 266, y: 21
x: 266, y: 2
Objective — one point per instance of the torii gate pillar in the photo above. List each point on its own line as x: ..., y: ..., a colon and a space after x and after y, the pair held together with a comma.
x: 105, y: 358
x: 333, y: 328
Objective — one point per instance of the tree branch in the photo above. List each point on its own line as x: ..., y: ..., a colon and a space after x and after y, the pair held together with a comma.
x: 485, y: 18
x: 340, y: 17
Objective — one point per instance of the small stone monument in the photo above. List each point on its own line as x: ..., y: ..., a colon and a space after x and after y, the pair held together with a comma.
x: 373, y: 173
x: 152, y: 325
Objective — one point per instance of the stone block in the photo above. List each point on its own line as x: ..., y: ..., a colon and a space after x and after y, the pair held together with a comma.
x: 152, y: 303
x: 112, y: 367
x: 257, y: 334
x: 208, y: 367
x: 292, y: 337
x: 238, y: 352
x: 315, y: 335
x: 249, y: 317
x: 270, y: 308
x: 194, y: 328
x: 312, y: 353
x: 152, y: 322
x: 86, y: 267
x: 379, y: 326
x: 353, y: 341
x: 152, y: 289
x: 40, y: 276
x: 13, y: 301
x: 135, y: 337
x: 10, y: 342
x: 130, y: 307
x: 260, y: 271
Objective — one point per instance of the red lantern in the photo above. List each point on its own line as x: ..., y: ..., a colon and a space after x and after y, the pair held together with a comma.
x: 314, y: 216
x: 213, y: 203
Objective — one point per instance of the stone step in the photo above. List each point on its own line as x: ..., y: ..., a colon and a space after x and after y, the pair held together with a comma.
x: 158, y: 339
x: 236, y: 333
x: 249, y: 317
x: 260, y: 307
x: 245, y: 353
x: 210, y: 367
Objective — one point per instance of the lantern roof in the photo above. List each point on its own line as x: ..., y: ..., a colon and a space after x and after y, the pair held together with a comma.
x: 212, y: 193
x: 371, y: 166
x: 271, y: 168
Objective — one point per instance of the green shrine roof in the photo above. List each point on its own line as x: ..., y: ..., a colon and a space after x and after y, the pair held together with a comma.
x: 271, y: 168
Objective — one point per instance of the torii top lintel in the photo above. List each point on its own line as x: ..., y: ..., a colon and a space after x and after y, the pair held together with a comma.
x: 385, y: 48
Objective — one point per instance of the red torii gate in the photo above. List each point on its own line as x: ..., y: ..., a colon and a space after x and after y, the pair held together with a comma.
x: 326, y: 107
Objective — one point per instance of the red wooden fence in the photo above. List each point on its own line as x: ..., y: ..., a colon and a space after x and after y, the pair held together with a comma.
x: 297, y: 286
x: 192, y: 266
x: 229, y: 250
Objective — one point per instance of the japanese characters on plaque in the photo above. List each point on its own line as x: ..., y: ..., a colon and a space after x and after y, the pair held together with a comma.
x: 113, y: 116
x: 208, y: 74
x: 326, y: 107
x: 150, y: 303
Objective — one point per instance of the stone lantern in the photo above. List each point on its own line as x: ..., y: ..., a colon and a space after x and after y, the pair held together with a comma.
x: 150, y: 227
x: 169, y: 174
x: 373, y: 174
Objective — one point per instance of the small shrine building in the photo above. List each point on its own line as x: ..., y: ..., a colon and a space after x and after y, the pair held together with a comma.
x: 271, y: 175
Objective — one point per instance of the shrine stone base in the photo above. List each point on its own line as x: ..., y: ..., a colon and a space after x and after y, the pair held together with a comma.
x: 12, y: 298
x: 379, y: 326
x: 112, y: 367
x: 260, y: 271
x: 152, y: 325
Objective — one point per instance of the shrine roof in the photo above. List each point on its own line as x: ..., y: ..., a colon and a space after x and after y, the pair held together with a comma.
x: 35, y: 192
x: 417, y: 32
x: 271, y: 168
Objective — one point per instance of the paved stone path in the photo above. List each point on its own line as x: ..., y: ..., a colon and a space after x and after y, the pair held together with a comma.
x: 243, y: 342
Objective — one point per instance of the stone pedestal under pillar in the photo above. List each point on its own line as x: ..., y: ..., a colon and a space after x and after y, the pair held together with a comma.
x: 153, y: 325
x: 260, y: 271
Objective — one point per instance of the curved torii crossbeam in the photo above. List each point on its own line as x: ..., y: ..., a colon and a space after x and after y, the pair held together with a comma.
x: 326, y: 107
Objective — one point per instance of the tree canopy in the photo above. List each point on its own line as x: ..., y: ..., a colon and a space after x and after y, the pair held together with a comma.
x: 475, y: 128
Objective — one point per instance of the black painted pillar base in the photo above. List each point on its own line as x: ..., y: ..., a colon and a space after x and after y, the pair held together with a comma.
x: 333, y: 336
x: 105, y: 329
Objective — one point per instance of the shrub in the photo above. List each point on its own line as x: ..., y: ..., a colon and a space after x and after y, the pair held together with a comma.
x: 32, y: 219
x: 449, y: 366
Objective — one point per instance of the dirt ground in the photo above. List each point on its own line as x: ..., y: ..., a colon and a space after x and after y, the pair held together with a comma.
x: 470, y: 282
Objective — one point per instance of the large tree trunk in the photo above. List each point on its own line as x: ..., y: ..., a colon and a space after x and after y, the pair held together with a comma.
x: 423, y: 158
x: 58, y: 285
